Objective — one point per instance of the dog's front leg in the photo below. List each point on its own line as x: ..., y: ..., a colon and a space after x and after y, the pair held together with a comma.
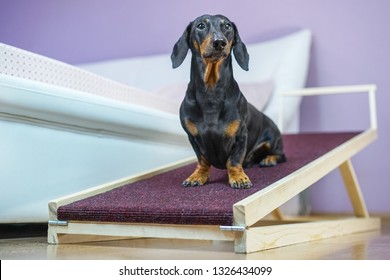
x: 237, y: 177
x: 200, y: 175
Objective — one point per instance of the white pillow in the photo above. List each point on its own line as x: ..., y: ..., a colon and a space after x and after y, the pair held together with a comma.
x: 257, y: 93
x: 286, y: 61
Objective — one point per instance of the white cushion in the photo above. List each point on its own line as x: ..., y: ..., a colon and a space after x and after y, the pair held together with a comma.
x: 257, y: 93
x: 285, y: 61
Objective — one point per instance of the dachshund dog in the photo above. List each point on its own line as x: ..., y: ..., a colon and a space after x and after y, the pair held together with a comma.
x: 224, y: 130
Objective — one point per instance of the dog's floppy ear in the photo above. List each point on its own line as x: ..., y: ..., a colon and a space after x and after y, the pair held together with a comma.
x: 181, y: 47
x: 239, y: 50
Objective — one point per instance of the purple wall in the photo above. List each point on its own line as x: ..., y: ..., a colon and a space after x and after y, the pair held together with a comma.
x: 351, y: 45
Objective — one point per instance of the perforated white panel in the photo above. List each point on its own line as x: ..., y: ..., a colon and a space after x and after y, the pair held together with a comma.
x: 23, y: 64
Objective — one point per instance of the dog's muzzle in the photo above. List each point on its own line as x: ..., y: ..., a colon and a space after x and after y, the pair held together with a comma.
x: 217, y: 50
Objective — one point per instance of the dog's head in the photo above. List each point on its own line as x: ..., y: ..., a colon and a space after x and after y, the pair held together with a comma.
x: 212, y: 38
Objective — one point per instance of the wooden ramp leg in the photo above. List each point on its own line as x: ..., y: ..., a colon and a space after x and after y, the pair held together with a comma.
x: 353, y: 188
x: 278, y: 214
x: 288, y: 232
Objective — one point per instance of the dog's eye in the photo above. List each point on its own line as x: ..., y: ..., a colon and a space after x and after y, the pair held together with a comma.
x: 201, y: 26
x: 228, y: 26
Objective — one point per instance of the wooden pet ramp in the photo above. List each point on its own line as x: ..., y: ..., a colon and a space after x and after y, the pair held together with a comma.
x: 155, y: 205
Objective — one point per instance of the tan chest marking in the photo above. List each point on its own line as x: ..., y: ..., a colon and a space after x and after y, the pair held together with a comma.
x: 211, y: 73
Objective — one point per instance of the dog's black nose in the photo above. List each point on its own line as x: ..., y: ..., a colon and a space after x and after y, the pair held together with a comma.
x: 219, y: 44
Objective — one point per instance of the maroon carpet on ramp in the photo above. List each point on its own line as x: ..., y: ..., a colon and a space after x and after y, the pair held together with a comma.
x: 161, y: 199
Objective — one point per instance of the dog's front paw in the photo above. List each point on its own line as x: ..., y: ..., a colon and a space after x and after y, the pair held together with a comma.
x: 240, y: 183
x: 195, y: 180
x: 200, y: 176
x: 238, y: 179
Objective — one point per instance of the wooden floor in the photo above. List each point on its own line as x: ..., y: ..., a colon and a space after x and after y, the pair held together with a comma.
x: 370, y: 245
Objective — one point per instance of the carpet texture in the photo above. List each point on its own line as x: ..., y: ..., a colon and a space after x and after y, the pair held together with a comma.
x: 161, y: 199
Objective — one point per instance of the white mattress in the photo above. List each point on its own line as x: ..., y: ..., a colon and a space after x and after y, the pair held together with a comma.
x: 19, y: 63
x: 65, y: 129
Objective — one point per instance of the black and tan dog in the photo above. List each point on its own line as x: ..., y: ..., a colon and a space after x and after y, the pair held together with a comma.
x: 225, y: 131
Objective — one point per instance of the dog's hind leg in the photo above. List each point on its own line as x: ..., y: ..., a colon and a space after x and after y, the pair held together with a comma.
x: 265, y: 156
x: 268, y: 150
x: 272, y: 160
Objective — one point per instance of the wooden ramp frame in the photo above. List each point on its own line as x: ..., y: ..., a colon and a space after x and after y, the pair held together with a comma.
x: 251, y: 231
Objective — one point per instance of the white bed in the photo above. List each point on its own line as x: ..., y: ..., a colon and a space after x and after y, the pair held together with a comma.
x: 64, y: 129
